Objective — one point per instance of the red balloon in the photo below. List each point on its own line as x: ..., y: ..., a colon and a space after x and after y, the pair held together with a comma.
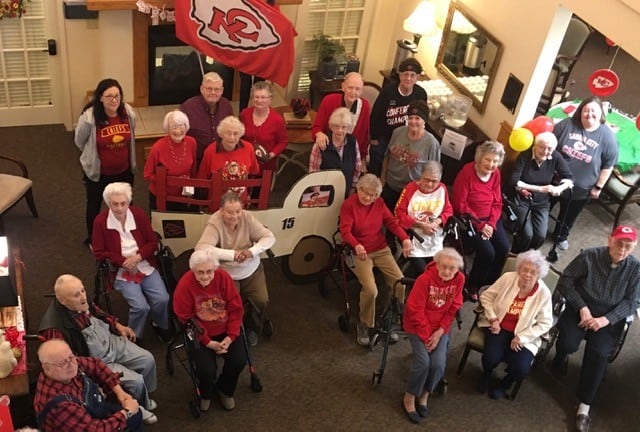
x: 638, y: 122
x: 539, y: 124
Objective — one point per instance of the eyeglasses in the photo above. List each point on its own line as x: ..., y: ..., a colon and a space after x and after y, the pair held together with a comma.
x: 366, y: 194
x: 213, y: 89
x: 64, y: 363
x: 177, y: 127
x: 112, y: 98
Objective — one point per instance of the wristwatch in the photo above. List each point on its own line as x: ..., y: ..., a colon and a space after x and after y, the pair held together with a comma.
x: 596, y: 187
x: 128, y: 413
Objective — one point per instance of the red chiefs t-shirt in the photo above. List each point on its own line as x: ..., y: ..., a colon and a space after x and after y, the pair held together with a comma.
x: 113, y: 142
x: 510, y: 319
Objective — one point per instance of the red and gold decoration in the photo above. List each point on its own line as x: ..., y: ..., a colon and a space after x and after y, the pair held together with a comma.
x: 13, y: 8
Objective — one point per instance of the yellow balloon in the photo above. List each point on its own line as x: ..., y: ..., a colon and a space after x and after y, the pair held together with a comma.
x: 521, y: 139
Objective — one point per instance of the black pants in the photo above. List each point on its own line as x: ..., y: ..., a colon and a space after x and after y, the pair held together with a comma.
x: 570, y: 208
x: 234, y: 362
x: 246, y: 82
x: 94, y: 194
x: 598, y: 346
x: 489, y: 258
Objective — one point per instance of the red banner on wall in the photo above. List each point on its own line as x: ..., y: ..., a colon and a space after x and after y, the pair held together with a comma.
x: 248, y: 35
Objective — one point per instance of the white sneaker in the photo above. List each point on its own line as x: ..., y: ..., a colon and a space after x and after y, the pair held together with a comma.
x: 151, y: 405
x: 205, y: 404
x: 363, y: 334
x: 148, y: 417
x: 563, y: 245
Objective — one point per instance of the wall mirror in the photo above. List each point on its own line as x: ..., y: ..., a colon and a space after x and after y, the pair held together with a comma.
x: 468, y: 56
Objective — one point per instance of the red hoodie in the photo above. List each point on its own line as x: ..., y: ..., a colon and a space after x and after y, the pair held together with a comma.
x: 432, y: 303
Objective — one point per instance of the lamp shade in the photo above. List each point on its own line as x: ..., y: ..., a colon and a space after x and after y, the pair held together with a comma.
x: 422, y: 20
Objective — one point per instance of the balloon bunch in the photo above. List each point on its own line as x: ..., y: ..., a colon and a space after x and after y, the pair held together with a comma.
x: 522, y: 138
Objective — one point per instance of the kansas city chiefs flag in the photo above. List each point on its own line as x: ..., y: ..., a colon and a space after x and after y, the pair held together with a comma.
x: 248, y: 35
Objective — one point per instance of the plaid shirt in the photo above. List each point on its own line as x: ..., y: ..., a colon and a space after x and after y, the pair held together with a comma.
x: 83, y: 320
x: 70, y: 416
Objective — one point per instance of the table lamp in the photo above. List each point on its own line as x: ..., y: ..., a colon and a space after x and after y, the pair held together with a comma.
x: 421, y: 23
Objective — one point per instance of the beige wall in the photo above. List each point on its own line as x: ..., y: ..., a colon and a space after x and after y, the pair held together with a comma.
x: 101, y: 48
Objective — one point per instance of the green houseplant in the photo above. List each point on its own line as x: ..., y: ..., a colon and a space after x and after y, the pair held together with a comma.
x: 327, y: 49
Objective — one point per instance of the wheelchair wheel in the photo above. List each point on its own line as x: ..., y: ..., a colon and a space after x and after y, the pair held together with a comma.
x: 267, y: 328
x: 373, y: 341
x: 309, y: 258
x: 619, y: 344
x: 169, y: 363
x: 343, y: 323
x: 194, y: 408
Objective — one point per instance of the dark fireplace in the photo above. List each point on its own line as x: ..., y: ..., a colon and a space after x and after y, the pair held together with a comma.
x: 174, y: 70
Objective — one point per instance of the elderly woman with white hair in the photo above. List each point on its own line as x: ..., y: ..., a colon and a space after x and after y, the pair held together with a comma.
x: 176, y: 152
x: 531, y: 185
x: 477, y: 196
x: 517, y: 313
x: 363, y: 216
x: 341, y: 152
x: 431, y: 307
x: 123, y: 235
x: 207, y: 295
x: 231, y: 156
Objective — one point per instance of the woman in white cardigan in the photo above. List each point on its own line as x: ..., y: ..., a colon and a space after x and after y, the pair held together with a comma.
x: 517, y: 312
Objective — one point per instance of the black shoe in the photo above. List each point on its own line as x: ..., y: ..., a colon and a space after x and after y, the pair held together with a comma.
x: 497, y: 393
x: 421, y: 410
x: 413, y: 416
x: 166, y: 335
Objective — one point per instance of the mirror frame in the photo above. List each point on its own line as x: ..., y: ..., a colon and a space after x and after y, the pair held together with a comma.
x: 444, y: 70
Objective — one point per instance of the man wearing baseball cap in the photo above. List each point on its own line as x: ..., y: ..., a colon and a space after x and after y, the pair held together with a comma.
x: 602, y: 288
x: 390, y: 110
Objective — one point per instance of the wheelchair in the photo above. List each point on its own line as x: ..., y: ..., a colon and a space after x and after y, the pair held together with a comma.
x: 184, y: 345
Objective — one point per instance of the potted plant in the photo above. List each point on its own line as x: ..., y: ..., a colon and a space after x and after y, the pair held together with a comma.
x: 327, y: 49
x: 300, y: 106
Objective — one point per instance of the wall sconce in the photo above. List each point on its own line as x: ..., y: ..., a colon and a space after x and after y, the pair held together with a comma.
x: 421, y: 22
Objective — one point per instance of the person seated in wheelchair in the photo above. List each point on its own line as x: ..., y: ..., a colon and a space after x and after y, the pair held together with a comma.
x: 362, y: 218
x: 123, y: 235
x: 477, y: 196
x: 517, y: 313
x: 207, y: 295
x: 601, y: 287
x: 431, y: 308
x: 531, y: 183
x: 63, y: 400
x: 424, y: 206
x: 239, y: 239
x: 91, y: 332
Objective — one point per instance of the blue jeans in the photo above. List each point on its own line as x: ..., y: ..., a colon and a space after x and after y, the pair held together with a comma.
x: 497, y: 349
x: 427, y: 368
x: 150, y: 294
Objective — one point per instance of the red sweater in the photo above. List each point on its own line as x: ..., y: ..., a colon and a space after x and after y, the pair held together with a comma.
x: 217, y: 308
x: 483, y: 201
x: 179, y: 159
x: 362, y: 224
x: 272, y: 134
x: 106, y: 243
x: 336, y: 100
x: 426, y: 208
x: 235, y: 164
x: 432, y: 303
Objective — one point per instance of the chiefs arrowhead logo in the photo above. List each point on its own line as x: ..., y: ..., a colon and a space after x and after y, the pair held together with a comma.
x: 578, y: 145
x: 233, y: 24
x: 602, y: 82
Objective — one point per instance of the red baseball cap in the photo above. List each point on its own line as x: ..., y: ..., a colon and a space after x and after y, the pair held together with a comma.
x: 625, y: 232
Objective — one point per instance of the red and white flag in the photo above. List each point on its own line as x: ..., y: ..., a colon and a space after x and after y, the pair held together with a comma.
x: 248, y: 35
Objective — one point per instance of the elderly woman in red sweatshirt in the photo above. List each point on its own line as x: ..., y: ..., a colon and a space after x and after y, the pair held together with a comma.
x: 207, y: 295
x: 431, y: 307
x: 478, y: 196
x: 362, y: 217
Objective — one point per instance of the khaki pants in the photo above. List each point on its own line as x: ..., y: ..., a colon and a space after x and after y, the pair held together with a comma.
x: 363, y: 269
